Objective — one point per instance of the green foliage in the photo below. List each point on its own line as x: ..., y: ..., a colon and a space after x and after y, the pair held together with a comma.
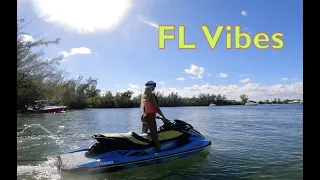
x: 40, y: 78
x: 32, y: 69
x: 244, y: 98
x: 125, y: 100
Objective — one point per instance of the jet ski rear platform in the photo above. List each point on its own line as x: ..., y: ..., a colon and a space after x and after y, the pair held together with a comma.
x: 114, y: 152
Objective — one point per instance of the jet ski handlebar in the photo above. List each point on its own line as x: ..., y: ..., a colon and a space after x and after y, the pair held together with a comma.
x: 159, y: 117
x: 171, y: 122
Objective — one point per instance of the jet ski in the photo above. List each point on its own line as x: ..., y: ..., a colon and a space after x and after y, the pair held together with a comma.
x: 115, y: 152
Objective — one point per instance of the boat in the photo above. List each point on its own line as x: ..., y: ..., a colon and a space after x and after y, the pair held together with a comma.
x: 120, y: 151
x: 211, y: 104
x: 296, y: 102
x: 44, y: 106
x: 251, y: 103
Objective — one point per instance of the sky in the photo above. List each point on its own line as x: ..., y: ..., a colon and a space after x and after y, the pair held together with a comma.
x: 116, y: 41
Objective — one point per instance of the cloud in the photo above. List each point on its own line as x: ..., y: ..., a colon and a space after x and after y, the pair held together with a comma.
x: 254, y: 91
x: 133, y: 86
x: 197, y: 77
x: 244, y: 13
x: 26, y: 38
x: 180, y: 79
x: 245, y: 80
x: 223, y: 75
x: 103, y: 92
x: 209, y: 74
x: 196, y: 70
x: 117, y: 85
x: 161, y: 82
x: 74, y: 51
x: 284, y: 79
x: 243, y: 75
x: 85, y: 16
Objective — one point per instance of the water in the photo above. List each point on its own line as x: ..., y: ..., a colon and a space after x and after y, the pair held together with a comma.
x: 248, y: 142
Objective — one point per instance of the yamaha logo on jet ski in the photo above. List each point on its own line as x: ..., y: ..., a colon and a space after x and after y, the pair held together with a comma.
x: 119, y: 151
x: 105, y: 163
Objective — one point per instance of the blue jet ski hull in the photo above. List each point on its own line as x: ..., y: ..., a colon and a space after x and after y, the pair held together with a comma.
x: 189, y: 142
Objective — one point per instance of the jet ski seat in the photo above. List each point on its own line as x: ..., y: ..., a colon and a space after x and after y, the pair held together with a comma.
x: 141, y: 139
x: 133, y: 141
x: 129, y: 141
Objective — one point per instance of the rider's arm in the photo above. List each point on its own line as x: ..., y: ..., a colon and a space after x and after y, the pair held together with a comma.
x: 154, y: 103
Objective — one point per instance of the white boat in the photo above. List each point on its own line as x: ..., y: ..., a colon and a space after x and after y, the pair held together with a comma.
x: 211, y: 104
x: 44, y: 106
x: 296, y: 102
x: 251, y: 103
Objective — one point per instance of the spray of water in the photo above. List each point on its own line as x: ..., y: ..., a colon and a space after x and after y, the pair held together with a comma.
x: 58, y: 141
x: 46, y: 169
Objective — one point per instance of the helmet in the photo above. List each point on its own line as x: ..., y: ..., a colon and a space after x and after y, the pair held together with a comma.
x: 150, y: 83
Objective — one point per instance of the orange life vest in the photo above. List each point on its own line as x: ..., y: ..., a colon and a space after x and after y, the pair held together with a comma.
x: 149, y: 108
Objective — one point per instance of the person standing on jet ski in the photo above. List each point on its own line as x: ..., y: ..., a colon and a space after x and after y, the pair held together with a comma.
x: 149, y: 104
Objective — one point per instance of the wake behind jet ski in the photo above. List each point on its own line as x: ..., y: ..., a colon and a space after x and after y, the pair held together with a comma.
x: 114, y: 152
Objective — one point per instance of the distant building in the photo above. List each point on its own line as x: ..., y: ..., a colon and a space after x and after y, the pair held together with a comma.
x: 266, y: 101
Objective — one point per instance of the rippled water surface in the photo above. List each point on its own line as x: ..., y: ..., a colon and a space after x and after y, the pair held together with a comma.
x: 248, y: 142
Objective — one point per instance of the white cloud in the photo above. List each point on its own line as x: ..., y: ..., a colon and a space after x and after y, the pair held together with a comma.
x: 223, y: 75
x: 86, y: 16
x: 197, y: 77
x: 180, y: 79
x: 243, y: 75
x: 161, y: 82
x: 117, y: 85
x: 244, y: 13
x: 196, y: 70
x: 74, y: 51
x: 26, y: 38
x: 245, y: 80
x: 209, y: 74
x: 133, y: 86
x: 284, y: 79
x: 254, y: 91
x: 102, y: 93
